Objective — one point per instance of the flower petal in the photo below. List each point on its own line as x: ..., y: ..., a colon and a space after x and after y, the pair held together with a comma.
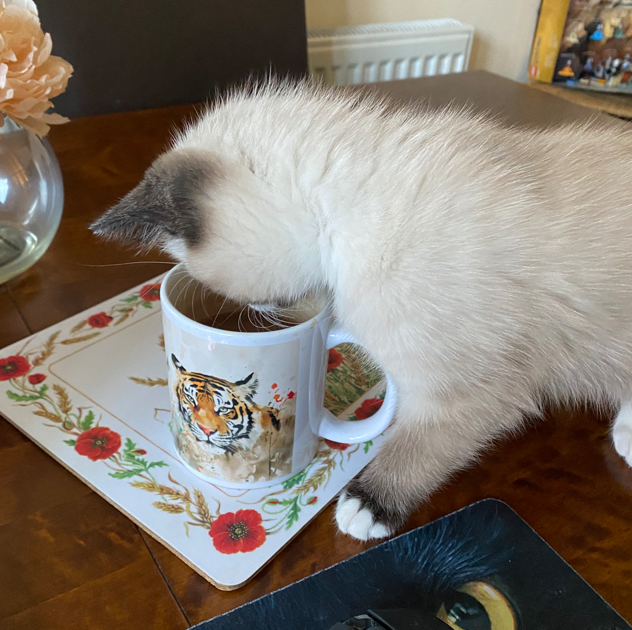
x: 26, y: 4
x: 255, y: 538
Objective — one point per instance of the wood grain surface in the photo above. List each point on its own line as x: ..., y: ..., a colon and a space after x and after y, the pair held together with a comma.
x: 70, y: 560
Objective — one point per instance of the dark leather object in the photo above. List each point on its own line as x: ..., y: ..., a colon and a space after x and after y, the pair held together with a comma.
x: 486, y: 542
x: 408, y: 619
x: 400, y: 619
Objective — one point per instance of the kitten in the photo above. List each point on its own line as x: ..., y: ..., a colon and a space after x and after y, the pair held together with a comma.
x: 486, y: 269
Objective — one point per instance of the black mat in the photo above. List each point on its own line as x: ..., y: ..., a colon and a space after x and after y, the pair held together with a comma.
x: 484, y: 543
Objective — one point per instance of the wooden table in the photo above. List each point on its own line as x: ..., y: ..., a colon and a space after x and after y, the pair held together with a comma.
x: 615, y: 104
x: 70, y: 560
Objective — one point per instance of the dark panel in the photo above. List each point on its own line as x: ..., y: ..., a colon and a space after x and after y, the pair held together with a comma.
x: 138, y: 54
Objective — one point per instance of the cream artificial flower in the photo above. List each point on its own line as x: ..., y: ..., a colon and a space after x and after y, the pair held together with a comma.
x: 29, y: 75
x: 26, y: 4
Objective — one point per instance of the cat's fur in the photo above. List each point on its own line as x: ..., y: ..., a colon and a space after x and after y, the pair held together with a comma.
x: 487, y: 269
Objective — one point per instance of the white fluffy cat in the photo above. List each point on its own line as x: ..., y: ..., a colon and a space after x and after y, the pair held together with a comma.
x: 486, y: 269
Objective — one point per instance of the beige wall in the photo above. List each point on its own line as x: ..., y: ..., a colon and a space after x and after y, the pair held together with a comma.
x: 504, y: 28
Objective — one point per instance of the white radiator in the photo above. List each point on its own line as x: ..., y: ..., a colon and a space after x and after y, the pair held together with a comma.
x: 385, y: 52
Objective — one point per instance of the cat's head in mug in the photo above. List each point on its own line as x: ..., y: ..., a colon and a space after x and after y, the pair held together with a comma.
x: 225, y: 200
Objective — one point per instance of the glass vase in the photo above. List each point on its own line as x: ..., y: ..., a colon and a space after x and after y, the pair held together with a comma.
x: 31, y: 198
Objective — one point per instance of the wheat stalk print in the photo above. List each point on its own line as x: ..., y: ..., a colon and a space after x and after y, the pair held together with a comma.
x: 47, y: 350
x: 179, y: 501
x: 149, y: 382
x: 74, y: 340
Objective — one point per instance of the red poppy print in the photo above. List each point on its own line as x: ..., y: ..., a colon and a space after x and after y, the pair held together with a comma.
x: 100, y: 320
x: 368, y: 408
x: 335, y: 359
x: 98, y: 443
x: 337, y: 446
x: 150, y: 293
x: 12, y: 367
x: 291, y: 395
x: 36, y: 379
x: 239, y: 531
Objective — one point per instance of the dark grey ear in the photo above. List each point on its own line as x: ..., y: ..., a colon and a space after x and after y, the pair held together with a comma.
x: 165, y: 205
x: 249, y: 385
x: 177, y: 364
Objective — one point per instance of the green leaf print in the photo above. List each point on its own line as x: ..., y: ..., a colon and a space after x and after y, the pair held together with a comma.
x: 296, y: 480
x: 87, y: 422
x: 126, y: 474
x: 293, y: 511
x: 158, y: 464
x: 22, y: 398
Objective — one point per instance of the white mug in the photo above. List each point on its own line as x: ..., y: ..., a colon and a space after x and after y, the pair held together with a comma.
x: 247, y: 408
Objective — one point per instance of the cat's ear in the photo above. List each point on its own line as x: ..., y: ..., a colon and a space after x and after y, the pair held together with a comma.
x: 249, y: 385
x: 165, y: 206
x: 176, y: 364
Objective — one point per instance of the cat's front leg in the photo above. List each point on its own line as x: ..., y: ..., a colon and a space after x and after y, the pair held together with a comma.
x: 420, y: 453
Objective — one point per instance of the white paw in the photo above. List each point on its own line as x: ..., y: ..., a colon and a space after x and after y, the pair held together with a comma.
x: 357, y: 521
x: 622, y: 438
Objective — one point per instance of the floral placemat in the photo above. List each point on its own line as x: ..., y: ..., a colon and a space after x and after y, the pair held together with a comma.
x: 92, y: 392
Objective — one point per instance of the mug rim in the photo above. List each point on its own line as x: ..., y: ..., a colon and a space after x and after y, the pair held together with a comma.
x: 264, y: 337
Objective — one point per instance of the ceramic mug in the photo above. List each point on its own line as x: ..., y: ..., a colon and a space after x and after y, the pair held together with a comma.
x: 247, y: 407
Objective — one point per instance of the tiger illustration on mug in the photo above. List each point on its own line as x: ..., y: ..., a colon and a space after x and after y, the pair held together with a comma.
x: 221, y: 413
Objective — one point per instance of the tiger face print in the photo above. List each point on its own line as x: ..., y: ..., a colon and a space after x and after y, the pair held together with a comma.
x: 219, y: 412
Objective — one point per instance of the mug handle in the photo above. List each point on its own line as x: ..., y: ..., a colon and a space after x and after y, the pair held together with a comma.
x: 348, y: 432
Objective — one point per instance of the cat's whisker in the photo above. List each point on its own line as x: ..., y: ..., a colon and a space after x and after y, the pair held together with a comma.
x: 265, y: 316
x: 274, y: 321
x: 262, y: 322
x: 258, y: 322
x: 195, y: 288
x: 241, y: 313
x: 137, y: 262
x: 289, y: 321
x: 183, y: 276
x: 284, y: 315
x: 184, y: 290
x: 250, y: 319
x: 221, y: 308
x: 205, y: 292
x: 228, y: 316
